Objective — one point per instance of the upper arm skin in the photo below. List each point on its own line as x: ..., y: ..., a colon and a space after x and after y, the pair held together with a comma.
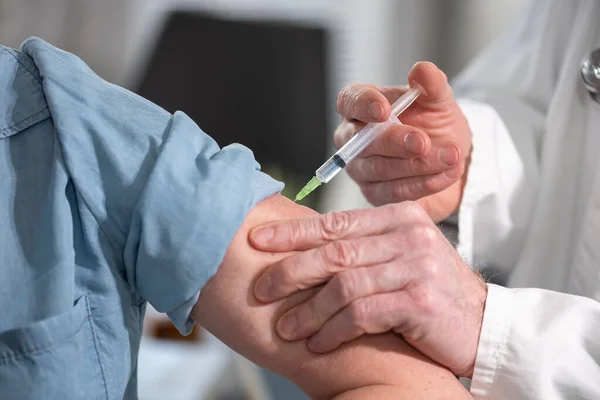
x: 227, y: 308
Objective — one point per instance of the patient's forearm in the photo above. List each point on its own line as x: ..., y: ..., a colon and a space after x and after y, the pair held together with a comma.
x: 383, y: 363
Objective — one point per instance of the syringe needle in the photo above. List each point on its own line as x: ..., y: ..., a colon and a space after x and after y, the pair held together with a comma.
x: 310, y: 186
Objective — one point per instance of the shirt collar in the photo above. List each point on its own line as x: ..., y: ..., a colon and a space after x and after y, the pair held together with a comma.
x: 22, y: 100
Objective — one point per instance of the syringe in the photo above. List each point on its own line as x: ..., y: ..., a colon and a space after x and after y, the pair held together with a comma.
x: 359, y: 142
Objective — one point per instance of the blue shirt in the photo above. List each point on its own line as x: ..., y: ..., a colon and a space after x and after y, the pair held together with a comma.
x: 106, y: 202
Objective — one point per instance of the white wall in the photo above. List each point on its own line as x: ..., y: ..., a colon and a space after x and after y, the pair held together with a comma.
x: 474, y: 24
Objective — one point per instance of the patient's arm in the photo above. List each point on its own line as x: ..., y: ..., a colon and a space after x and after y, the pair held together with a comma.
x: 380, y: 366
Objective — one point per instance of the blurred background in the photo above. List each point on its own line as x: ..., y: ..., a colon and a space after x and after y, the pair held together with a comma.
x: 264, y: 73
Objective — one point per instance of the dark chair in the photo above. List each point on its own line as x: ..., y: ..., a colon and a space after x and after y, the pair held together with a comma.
x: 259, y: 83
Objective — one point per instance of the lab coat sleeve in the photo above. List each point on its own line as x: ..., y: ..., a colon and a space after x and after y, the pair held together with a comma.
x: 166, y: 198
x: 538, y: 344
x: 505, y: 95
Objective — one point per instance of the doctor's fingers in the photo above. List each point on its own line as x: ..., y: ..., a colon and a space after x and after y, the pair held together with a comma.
x: 410, y: 188
x: 402, y: 141
x: 344, y: 288
x: 368, y: 315
x: 313, y: 267
x: 310, y: 233
x: 381, y: 169
x: 370, y: 103
x: 438, y: 93
x: 367, y: 103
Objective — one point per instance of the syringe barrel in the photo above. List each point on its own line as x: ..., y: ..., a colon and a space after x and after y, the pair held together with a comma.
x: 364, y: 138
x: 367, y: 134
x: 329, y: 169
x: 353, y: 148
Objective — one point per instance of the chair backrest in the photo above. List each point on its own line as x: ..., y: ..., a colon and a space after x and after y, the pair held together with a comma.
x: 259, y: 83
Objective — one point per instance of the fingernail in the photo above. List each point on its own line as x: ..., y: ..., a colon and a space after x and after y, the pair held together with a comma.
x: 263, y: 235
x: 453, y: 173
x: 448, y: 155
x: 414, y: 143
x: 263, y: 287
x: 287, y: 326
x: 376, y: 110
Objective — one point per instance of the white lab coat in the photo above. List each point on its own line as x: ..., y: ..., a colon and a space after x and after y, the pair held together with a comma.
x: 532, y: 205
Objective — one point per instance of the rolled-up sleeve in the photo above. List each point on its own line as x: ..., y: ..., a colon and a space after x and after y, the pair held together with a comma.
x: 166, y: 197
x: 195, y: 199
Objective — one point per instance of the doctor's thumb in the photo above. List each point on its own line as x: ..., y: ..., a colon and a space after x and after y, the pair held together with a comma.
x: 433, y: 80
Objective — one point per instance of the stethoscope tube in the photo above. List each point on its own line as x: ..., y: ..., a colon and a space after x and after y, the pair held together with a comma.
x: 590, y: 73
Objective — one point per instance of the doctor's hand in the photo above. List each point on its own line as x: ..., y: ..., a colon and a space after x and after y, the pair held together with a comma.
x: 423, y: 160
x: 382, y: 269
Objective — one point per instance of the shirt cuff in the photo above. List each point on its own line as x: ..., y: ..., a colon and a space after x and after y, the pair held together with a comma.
x: 537, y: 344
x: 181, y: 315
x: 492, y: 341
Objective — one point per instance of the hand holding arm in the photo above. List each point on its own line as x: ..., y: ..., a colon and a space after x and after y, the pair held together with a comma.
x: 387, y: 268
x: 423, y: 159
x: 365, y: 368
